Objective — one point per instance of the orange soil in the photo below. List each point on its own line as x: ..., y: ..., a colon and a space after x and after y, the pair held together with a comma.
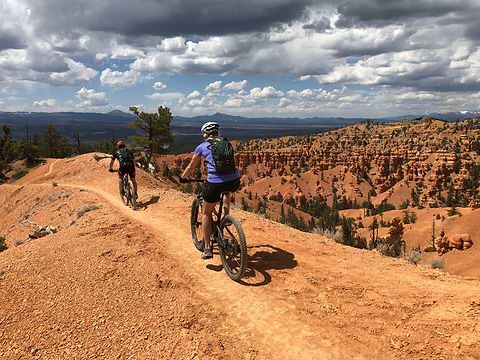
x: 123, y: 283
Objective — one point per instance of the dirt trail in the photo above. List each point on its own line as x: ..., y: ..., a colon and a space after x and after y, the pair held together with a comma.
x: 38, y: 173
x: 303, y: 297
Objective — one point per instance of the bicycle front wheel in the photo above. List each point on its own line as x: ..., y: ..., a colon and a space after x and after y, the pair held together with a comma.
x: 233, y: 251
x: 196, y: 225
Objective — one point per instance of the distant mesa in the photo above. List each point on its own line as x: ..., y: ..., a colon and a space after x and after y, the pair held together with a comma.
x: 120, y: 113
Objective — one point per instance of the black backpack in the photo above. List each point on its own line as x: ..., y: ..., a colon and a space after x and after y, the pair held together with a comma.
x: 125, y: 156
x: 223, y: 156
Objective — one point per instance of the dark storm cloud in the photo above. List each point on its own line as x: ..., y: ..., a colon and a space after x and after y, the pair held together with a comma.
x: 383, y: 12
x: 44, y: 62
x: 472, y: 30
x: 9, y: 40
x: 319, y: 26
x: 167, y: 17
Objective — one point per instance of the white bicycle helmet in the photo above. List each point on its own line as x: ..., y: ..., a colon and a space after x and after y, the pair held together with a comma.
x: 210, y: 127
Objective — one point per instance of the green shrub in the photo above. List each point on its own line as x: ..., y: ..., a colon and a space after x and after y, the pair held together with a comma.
x: 405, y: 205
x: 383, y: 207
x: 19, y: 174
x: 430, y: 249
x: 19, y: 242
x: 415, y: 256
x: 453, y: 211
x: 390, y: 247
x: 3, y: 245
x: 438, y: 264
x: 54, y: 184
x: 360, y: 243
x: 409, y: 217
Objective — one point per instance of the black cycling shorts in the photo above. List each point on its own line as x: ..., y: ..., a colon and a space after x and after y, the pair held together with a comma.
x: 212, y: 191
x: 127, y: 169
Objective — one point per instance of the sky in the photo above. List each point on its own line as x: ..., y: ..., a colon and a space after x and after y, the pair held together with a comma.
x: 286, y: 58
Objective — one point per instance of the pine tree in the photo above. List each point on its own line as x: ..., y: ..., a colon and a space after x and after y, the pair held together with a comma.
x: 7, y: 145
x: 347, y: 232
x: 156, y: 128
x: 433, y: 233
x: 374, y: 236
x: 53, y: 143
x: 282, y: 215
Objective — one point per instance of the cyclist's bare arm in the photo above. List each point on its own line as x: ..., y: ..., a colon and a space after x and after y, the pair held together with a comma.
x: 192, y: 166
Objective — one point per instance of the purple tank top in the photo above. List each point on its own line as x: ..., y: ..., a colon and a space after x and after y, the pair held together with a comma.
x: 205, y: 152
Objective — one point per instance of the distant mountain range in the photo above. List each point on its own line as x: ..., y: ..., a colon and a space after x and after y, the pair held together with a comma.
x: 186, y: 129
x: 450, y: 116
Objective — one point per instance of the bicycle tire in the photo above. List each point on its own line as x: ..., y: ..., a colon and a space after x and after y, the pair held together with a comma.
x: 233, y: 246
x: 196, y: 225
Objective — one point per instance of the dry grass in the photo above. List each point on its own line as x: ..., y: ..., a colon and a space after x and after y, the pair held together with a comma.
x: 85, y: 209
x: 415, y: 256
x: 438, y: 264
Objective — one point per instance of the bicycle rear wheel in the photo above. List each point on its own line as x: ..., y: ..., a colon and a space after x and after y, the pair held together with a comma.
x: 196, y: 225
x: 234, y: 252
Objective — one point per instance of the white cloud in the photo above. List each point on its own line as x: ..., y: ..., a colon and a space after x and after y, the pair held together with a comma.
x: 156, y: 61
x: 236, y: 85
x: 118, y: 78
x: 50, y: 103
x: 267, y: 92
x: 176, y: 45
x: 214, y: 86
x: 167, y: 99
x: 361, y: 41
x: 91, y: 98
x: 284, y: 102
x: 234, y: 103
x: 159, y: 85
x: 205, y: 102
x: 417, y: 58
x: 126, y: 53
x: 77, y: 73
x: 101, y: 56
x: 194, y: 95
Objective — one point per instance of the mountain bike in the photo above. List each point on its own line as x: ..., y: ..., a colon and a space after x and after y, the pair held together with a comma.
x: 227, y: 232
x: 128, y: 195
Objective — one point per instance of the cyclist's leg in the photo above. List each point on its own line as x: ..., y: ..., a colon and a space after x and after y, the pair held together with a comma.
x: 211, y: 196
x: 120, y: 181
x: 231, y: 188
x: 226, y: 203
x: 134, y: 180
x: 207, y: 223
x: 135, y: 186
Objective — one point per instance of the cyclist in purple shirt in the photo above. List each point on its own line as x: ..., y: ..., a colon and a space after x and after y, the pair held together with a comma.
x: 217, y: 183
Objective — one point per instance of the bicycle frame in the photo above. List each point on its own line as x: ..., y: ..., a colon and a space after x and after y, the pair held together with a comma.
x: 219, y: 217
x: 232, y: 246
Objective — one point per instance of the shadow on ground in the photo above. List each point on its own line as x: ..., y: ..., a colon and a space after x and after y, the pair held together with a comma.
x: 144, y: 205
x: 262, y: 259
